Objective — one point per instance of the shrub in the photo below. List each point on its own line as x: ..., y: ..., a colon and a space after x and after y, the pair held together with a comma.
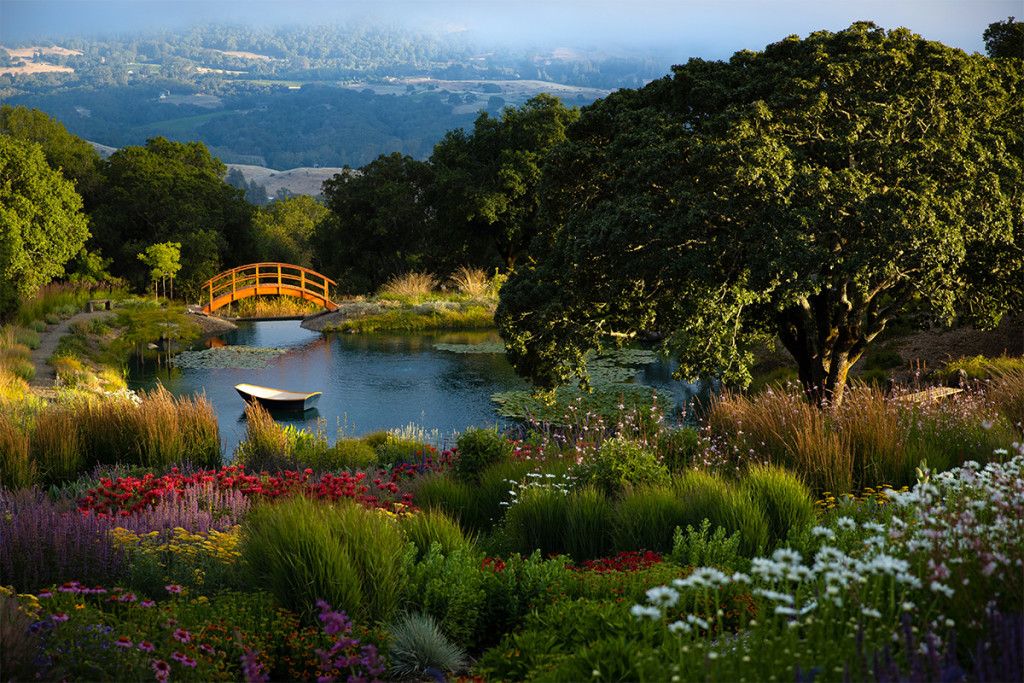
x: 419, y: 649
x: 619, y: 461
x: 787, y: 502
x: 453, y: 588
x: 588, y: 520
x: 425, y: 528
x: 1006, y: 396
x: 693, y: 548
x: 478, y: 448
x: 303, y: 551
x: 492, y: 492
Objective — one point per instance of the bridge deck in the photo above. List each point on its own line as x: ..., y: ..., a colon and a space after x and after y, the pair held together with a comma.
x: 267, y: 279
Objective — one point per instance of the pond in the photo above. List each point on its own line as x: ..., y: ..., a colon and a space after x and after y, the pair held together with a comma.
x: 369, y: 382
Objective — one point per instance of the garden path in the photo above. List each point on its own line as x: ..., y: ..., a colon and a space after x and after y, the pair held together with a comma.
x: 45, y: 377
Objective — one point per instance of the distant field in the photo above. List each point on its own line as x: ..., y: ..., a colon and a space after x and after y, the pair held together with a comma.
x: 246, y: 55
x: 28, y: 54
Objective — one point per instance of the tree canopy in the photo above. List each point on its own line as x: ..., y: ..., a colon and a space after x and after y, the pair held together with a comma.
x: 1005, y: 39
x: 41, y: 223
x: 172, y: 192
x: 487, y: 180
x: 805, y: 193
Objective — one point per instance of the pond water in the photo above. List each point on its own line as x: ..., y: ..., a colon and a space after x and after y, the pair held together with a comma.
x: 369, y: 382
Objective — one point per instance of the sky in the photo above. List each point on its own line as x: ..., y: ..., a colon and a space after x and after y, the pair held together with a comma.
x: 711, y: 29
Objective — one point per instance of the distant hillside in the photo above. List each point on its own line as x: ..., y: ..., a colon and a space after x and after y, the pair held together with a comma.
x: 297, y: 180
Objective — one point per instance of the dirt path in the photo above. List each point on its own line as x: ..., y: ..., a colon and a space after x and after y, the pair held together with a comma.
x: 45, y: 376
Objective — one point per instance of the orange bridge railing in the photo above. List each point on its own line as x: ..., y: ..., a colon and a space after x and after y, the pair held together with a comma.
x: 266, y: 279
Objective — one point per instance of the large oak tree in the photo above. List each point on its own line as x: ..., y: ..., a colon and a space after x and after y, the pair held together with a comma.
x: 805, y: 193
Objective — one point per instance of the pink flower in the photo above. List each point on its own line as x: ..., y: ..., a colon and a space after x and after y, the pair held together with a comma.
x: 123, y: 641
x: 182, y: 635
x: 60, y: 616
x: 173, y: 588
x: 147, y: 603
x: 146, y: 646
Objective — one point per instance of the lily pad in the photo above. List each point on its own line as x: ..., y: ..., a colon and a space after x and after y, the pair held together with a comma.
x: 227, y: 357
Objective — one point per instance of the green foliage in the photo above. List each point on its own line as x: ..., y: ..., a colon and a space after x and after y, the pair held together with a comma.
x: 480, y: 448
x: 345, y: 454
x: 553, y: 632
x: 620, y: 462
x: 980, y: 367
x: 726, y: 505
x: 419, y: 648
x: 41, y: 223
x: 444, y: 492
x: 266, y: 446
x: 302, y: 551
x: 696, y: 548
x: 719, y: 170
x: 786, y: 501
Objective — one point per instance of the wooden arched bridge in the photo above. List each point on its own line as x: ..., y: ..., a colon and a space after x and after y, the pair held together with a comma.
x: 266, y: 279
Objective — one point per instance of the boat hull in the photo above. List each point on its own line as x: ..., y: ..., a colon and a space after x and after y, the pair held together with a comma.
x: 277, y: 399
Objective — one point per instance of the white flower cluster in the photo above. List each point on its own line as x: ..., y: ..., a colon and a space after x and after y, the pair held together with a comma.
x: 964, y: 516
x: 536, y: 480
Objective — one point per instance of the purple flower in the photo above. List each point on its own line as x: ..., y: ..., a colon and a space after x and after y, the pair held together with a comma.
x: 60, y: 616
x: 146, y: 646
x: 123, y: 641
x: 182, y: 635
x: 147, y: 603
x: 252, y: 670
x: 173, y: 588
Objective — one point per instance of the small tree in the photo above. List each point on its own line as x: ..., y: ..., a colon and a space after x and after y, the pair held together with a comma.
x: 164, y: 261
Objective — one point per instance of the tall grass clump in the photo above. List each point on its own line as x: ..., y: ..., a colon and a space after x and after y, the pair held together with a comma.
x: 411, y: 286
x: 589, y: 517
x: 302, y: 551
x: 537, y: 520
x: 17, y: 469
x: 420, y: 650
x: 57, y: 446
x: 472, y: 282
x: 786, y: 501
x: 645, y: 518
x: 425, y: 528
x: 266, y: 446
x: 443, y: 491
x: 1006, y: 397
x: 725, y: 505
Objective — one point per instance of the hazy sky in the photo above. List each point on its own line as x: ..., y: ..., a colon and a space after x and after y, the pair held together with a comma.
x: 711, y: 29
